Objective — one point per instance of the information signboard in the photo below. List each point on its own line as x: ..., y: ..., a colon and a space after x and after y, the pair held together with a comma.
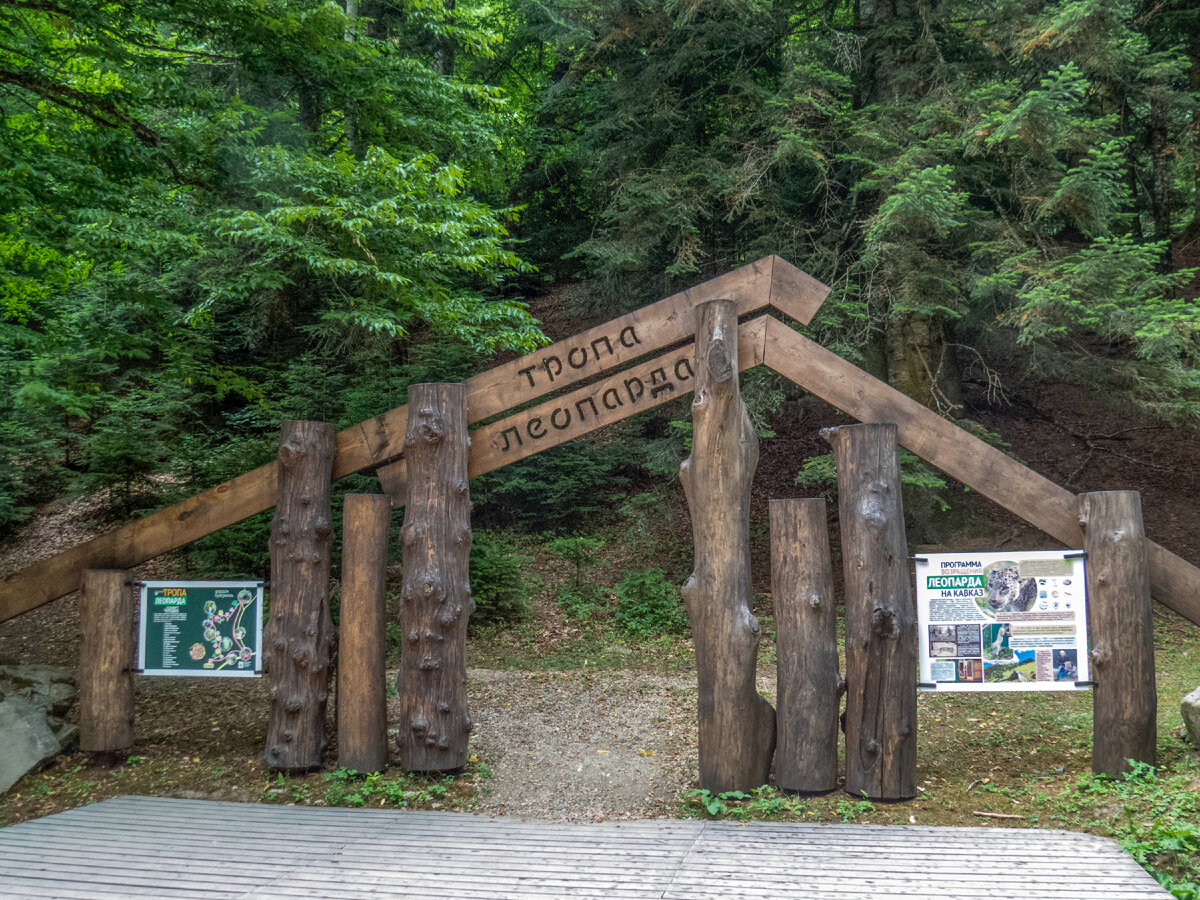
x: 1002, y: 621
x: 201, y: 628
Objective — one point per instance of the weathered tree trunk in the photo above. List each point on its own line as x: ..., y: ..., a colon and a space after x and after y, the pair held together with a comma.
x: 106, y: 661
x: 361, y: 679
x: 737, y: 726
x: 1124, y: 700
x: 435, y: 594
x: 806, y: 647
x: 881, y: 631
x: 921, y: 361
x: 1160, y: 167
x: 299, y: 639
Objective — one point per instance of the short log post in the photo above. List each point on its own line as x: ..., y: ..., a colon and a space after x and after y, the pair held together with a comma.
x: 361, y: 678
x: 881, y: 628
x: 737, y: 726
x: 806, y: 759
x: 106, y: 662
x: 1120, y: 626
x: 299, y: 640
x: 435, y: 592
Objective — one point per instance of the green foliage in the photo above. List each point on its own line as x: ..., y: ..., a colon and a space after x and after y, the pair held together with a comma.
x: 849, y: 810
x: 1160, y: 826
x: 219, y: 215
x: 821, y: 472
x: 554, y: 490
x: 649, y: 605
x: 497, y: 580
x: 346, y: 787
x: 578, y: 599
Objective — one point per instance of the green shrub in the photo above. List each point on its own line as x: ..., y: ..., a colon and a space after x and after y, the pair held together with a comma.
x: 578, y: 600
x: 648, y: 605
x: 497, y: 581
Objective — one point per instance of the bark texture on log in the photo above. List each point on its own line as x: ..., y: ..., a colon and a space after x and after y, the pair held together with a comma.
x: 806, y: 647
x: 1120, y: 626
x: 106, y: 662
x: 737, y: 726
x: 361, y: 676
x: 299, y: 641
x: 435, y: 593
x: 881, y: 627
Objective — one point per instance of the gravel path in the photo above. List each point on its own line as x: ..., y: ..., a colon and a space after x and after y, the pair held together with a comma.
x: 577, y: 746
x: 581, y: 746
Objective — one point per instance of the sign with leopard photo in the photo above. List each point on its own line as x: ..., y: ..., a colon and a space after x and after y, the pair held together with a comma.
x: 1002, y: 621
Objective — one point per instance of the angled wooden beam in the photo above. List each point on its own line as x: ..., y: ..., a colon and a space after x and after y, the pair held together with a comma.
x: 570, y: 416
x: 770, y: 281
x: 1055, y: 510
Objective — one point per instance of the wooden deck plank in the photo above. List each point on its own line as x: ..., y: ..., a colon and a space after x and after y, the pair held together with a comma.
x: 184, y: 848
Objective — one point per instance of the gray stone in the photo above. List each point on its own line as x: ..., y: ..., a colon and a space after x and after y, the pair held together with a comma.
x: 24, y: 676
x: 28, y: 740
x: 53, y: 698
x: 1190, y: 706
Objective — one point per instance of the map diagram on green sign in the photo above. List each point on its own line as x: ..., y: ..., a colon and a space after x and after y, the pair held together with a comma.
x: 200, y: 628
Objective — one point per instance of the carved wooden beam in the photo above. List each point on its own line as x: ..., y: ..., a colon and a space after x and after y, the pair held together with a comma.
x: 769, y: 282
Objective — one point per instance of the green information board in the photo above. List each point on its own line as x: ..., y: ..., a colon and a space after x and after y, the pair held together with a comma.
x: 201, y: 628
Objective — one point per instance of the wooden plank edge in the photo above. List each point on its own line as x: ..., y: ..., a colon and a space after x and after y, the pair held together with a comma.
x: 794, y: 292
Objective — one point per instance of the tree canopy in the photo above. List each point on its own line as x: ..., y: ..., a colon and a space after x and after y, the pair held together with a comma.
x: 217, y: 215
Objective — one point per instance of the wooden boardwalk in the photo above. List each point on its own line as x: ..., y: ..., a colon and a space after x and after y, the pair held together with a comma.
x: 154, y: 847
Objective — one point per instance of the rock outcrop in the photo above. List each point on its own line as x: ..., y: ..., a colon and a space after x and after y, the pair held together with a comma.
x: 33, y: 702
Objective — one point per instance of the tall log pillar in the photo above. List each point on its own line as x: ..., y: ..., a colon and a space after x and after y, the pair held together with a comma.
x: 806, y: 647
x: 106, y: 662
x: 299, y: 638
x: 435, y: 593
x: 1124, y: 700
x: 881, y: 627
x: 361, y: 677
x: 737, y: 726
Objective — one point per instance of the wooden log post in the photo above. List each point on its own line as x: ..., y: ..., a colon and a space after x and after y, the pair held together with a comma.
x: 361, y: 677
x: 809, y: 683
x: 881, y: 628
x: 737, y: 726
x: 106, y: 662
x: 299, y: 641
x: 1120, y: 626
x: 435, y: 593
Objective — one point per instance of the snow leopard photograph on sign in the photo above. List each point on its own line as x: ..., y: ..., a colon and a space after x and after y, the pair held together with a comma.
x: 1006, y: 590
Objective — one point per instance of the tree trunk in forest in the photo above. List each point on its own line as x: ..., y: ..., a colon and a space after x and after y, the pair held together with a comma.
x: 881, y: 628
x: 351, y: 126
x: 443, y: 56
x: 361, y: 678
x: 1194, y: 87
x: 299, y: 641
x: 806, y: 647
x: 922, y: 363
x: 737, y: 726
x: 1120, y: 626
x: 106, y: 661
x: 435, y: 594
x: 1160, y: 191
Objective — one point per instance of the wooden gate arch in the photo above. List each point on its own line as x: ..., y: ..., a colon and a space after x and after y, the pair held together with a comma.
x: 630, y: 364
